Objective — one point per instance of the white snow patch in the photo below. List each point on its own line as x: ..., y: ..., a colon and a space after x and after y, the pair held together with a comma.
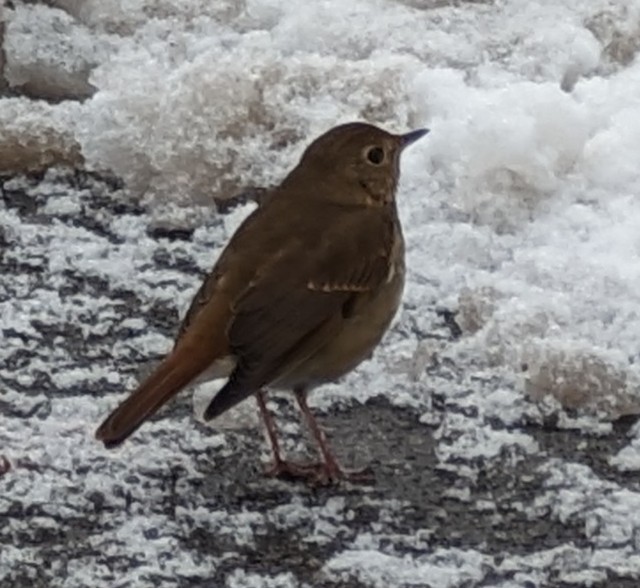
x: 445, y: 568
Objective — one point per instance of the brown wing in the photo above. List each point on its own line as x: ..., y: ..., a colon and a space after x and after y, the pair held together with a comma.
x: 200, y: 300
x: 290, y: 311
x: 250, y: 247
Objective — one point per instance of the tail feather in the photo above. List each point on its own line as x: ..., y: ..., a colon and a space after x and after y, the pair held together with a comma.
x: 227, y: 397
x: 177, y: 371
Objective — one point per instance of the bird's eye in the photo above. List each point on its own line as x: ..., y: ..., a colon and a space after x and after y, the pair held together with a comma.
x: 375, y: 155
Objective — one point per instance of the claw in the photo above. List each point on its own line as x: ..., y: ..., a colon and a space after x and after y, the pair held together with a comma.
x: 318, y: 473
x: 321, y: 473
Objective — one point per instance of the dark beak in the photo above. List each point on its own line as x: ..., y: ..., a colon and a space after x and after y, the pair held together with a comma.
x: 412, y: 137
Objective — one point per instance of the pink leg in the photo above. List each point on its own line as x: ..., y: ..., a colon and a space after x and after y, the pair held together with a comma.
x: 330, y: 470
x: 270, y: 426
x: 280, y: 468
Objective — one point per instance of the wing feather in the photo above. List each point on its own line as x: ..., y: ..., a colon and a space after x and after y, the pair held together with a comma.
x: 296, y: 303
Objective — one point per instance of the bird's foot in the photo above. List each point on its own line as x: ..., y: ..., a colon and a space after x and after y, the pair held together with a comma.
x: 319, y: 473
x: 332, y: 472
x: 292, y: 470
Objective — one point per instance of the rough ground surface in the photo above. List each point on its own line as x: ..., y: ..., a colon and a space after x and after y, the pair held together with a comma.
x: 183, y: 505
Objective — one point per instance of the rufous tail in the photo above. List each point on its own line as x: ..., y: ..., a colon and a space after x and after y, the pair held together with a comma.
x: 175, y: 372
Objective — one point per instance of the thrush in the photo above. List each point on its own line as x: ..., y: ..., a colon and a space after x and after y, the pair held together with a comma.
x: 303, y: 292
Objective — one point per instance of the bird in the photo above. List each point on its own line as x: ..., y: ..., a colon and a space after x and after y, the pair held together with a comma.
x: 302, y: 293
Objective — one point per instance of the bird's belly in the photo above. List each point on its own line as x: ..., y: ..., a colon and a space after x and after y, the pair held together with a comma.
x: 220, y: 368
x: 360, y: 334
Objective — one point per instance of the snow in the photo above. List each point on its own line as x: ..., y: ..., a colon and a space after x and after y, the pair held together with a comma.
x: 521, y: 215
x: 446, y: 568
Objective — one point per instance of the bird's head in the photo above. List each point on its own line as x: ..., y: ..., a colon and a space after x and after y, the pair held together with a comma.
x: 354, y: 164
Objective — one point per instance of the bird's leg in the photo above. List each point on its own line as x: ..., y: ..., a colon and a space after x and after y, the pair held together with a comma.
x: 318, y: 434
x: 280, y: 467
x: 329, y: 470
x: 270, y: 426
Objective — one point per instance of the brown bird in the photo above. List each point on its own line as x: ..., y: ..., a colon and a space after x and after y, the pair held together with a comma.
x: 303, y: 292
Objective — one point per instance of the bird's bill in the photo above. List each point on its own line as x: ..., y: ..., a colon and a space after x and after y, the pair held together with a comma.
x: 412, y: 137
